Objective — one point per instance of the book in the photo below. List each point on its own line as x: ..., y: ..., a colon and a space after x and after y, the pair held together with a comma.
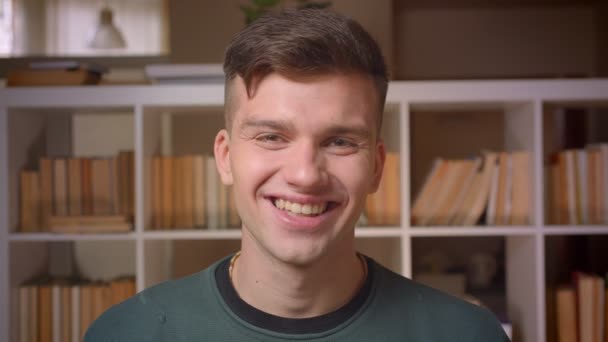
x: 76, y: 315
x: 185, y: 73
x: 156, y: 198
x: 125, y: 185
x: 426, y: 192
x: 392, y: 190
x: 74, y: 186
x: 188, y: 191
x: 566, y: 315
x: 198, y: 185
x: 457, y: 196
x: 60, y: 187
x: 45, y: 313
x: 86, y: 187
x: 452, y: 182
x: 56, y: 309
x: 521, y: 197
x: 581, y: 186
x: 66, y: 314
x: 502, y: 190
x: 481, y: 201
x: 493, y: 195
x: 24, y: 314
x: 168, y: 211
x: 212, y: 187
x: 29, y: 201
x: 178, y: 191
x: 46, y: 190
x: 51, y: 77
x: 69, y: 65
x: 466, y: 206
x: 90, y: 224
x: 101, y: 177
x: 86, y: 308
x: 115, y: 186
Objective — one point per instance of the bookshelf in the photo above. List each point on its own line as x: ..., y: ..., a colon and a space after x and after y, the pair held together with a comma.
x: 162, y: 118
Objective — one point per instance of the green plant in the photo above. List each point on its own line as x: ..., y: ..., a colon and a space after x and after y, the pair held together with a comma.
x: 258, y: 8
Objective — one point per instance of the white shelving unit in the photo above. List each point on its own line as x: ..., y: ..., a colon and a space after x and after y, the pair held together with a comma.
x: 25, y: 111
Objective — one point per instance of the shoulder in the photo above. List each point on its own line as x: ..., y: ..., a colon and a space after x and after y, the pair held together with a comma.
x: 436, y: 314
x: 141, y: 317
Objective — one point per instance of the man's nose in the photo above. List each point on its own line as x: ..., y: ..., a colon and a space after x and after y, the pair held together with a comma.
x: 305, y: 168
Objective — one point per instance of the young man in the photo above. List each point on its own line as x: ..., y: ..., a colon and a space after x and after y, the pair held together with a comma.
x: 305, y: 92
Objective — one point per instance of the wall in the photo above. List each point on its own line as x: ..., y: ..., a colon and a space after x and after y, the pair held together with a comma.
x: 495, y: 42
x: 201, y: 29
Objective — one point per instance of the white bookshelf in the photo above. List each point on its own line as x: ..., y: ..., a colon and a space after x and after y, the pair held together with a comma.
x: 24, y: 111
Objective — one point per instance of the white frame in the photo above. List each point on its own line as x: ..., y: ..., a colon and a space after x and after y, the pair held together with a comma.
x: 523, y: 102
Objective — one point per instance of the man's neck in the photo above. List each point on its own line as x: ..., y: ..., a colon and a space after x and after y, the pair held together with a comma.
x: 293, y: 291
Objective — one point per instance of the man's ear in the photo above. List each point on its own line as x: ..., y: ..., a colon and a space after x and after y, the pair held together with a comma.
x: 221, y: 150
x: 380, y: 157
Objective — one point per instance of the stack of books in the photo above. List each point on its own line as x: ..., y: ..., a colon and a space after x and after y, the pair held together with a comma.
x: 462, y: 192
x: 582, y: 309
x: 62, y: 310
x: 56, y: 73
x: 383, y: 207
x: 187, y: 193
x: 578, y: 191
x: 185, y: 73
x: 78, y: 195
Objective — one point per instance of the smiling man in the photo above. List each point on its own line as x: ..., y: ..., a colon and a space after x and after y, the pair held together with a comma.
x: 305, y: 92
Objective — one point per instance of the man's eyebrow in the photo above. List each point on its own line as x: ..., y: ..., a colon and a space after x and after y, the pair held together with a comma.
x: 278, y: 125
x: 361, y: 131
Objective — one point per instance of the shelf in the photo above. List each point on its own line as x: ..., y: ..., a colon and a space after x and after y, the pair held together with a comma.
x: 378, y: 231
x: 70, y: 237
x: 472, y: 231
x: 229, y: 234
x: 199, y: 234
x: 507, y: 115
x: 575, y: 230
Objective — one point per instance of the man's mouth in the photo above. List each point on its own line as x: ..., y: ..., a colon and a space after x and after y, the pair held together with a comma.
x: 304, y: 209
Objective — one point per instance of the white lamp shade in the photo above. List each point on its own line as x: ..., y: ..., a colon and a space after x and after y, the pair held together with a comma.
x: 107, y: 35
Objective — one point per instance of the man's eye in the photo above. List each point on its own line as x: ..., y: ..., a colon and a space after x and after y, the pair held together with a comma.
x: 269, y: 138
x: 270, y: 141
x: 341, y: 142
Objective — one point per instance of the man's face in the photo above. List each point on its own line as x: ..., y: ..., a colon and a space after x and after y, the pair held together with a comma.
x: 302, y: 156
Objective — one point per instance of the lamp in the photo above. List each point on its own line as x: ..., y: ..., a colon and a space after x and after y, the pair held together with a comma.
x: 107, y: 35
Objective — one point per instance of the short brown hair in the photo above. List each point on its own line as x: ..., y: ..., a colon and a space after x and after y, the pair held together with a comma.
x: 303, y: 42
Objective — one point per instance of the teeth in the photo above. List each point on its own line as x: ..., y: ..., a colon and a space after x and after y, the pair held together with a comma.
x: 299, y: 208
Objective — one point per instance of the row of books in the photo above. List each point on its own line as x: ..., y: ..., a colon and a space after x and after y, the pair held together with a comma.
x: 579, y: 186
x: 384, y: 206
x: 582, y: 310
x: 54, y: 73
x: 67, y: 193
x: 462, y: 192
x: 61, y: 310
x: 187, y: 193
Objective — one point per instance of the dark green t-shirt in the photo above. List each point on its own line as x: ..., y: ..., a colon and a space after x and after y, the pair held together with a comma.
x: 205, y: 307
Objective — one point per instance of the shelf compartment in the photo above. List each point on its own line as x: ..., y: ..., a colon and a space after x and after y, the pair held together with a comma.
x: 58, y: 134
x: 180, y: 141
x: 575, y: 154
x: 566, y: 255
x: 91, y: 260
x: 492, y: 126
x: 383, y: 208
